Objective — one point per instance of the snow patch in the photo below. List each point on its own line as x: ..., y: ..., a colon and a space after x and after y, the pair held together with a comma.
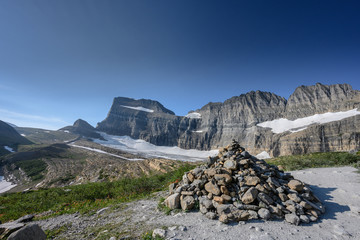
x: 263, y: 155
x: 23, y: 135
x: 103, y: 152
x: 193, y: 115
x: 5, y: 185
x: 138, y: 146
x: 198, y: 131
x: 139, y: 108
x: 9, y: 149
x: 66, y: 131
x: 282, y: 125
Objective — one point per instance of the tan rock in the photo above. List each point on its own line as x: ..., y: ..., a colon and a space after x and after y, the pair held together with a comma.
x: 223, y: 179
x: 283, y: 197
x: 223, y: 218
x: 191, y: 177
x: 226, y: 198
x: 212, y: 188
x: 210, y: 172
x: 305, y: 205
x: 173, y: 201
x: 252, y: 180
x: 260, y: 188
x: 250, y: 195
x: 296, y: 185
x: 218, y: 199
x: 294, y: 197
x: 224, y: 190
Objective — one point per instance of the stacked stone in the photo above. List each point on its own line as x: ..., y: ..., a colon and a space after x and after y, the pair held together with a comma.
x: 235, y: 186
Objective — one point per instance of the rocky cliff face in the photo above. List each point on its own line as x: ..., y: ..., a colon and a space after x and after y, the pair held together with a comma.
x: 144, y: 119
x: 319, y: 98
x: 215, y: 124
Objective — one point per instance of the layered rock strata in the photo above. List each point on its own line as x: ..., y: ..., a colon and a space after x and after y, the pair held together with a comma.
x: 239, y: 117
x: 235, y: 186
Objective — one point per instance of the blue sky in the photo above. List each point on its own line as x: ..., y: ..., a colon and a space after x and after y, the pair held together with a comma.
x: 64, y: 60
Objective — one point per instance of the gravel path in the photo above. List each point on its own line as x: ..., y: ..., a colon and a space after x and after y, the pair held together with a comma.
x: 338, y: 188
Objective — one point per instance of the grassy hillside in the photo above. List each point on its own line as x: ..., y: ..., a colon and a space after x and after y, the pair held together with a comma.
x: 314, y: 160
x: 85, y: 198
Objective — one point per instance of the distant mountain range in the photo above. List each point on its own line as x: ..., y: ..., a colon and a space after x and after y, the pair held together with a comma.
x: 317, y: 118
x: 244, y: 118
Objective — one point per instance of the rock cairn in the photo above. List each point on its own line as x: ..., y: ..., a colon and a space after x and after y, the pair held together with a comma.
x: 235, y: 186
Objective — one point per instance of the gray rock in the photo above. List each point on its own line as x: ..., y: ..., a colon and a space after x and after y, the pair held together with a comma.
x: 253, y: 214
x: 9, y: 227
x: 250, y: 195
x: 292, y: 218
x: 304, y: 219
x: 264, y: 213
x: 265, y: 198
x: 230, y: 164
x: 206, y: 202
x: 29, y: 232
x: 158, y: 232
x: 212, y: 188
x: 26, y: 218
x: 245, y: 154
x: 210, y: 215
x: 173, y: 201
x: 187, y: 203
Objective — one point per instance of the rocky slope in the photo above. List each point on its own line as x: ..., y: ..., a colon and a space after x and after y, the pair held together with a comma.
x: 239, y: 117
x: 82, y: 161
x: 10, y: 138
x: 82, y: 128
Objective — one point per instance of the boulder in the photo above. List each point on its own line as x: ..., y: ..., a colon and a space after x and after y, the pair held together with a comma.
x: 7, y: 228
x: 29, y: 232
x: 187, y: 203
x: 292, y: 218
x: 173, y: 201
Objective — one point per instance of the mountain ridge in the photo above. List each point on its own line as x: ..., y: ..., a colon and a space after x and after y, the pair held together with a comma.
x: 235, y: 118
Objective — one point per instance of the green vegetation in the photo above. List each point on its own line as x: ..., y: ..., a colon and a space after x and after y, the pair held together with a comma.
x: 32, y: 168
x: 313, y: 160
x: 148, y: 236
x: 85, y: 198
x: 50, y: 234
x: 162, y: 207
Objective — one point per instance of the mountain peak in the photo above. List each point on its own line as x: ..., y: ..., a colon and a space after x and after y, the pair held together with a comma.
x: 82, y: 124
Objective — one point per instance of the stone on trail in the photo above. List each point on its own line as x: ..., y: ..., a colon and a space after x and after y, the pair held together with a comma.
x: 158, y: 232
x: 235, y: 186
x: 292, y: 218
